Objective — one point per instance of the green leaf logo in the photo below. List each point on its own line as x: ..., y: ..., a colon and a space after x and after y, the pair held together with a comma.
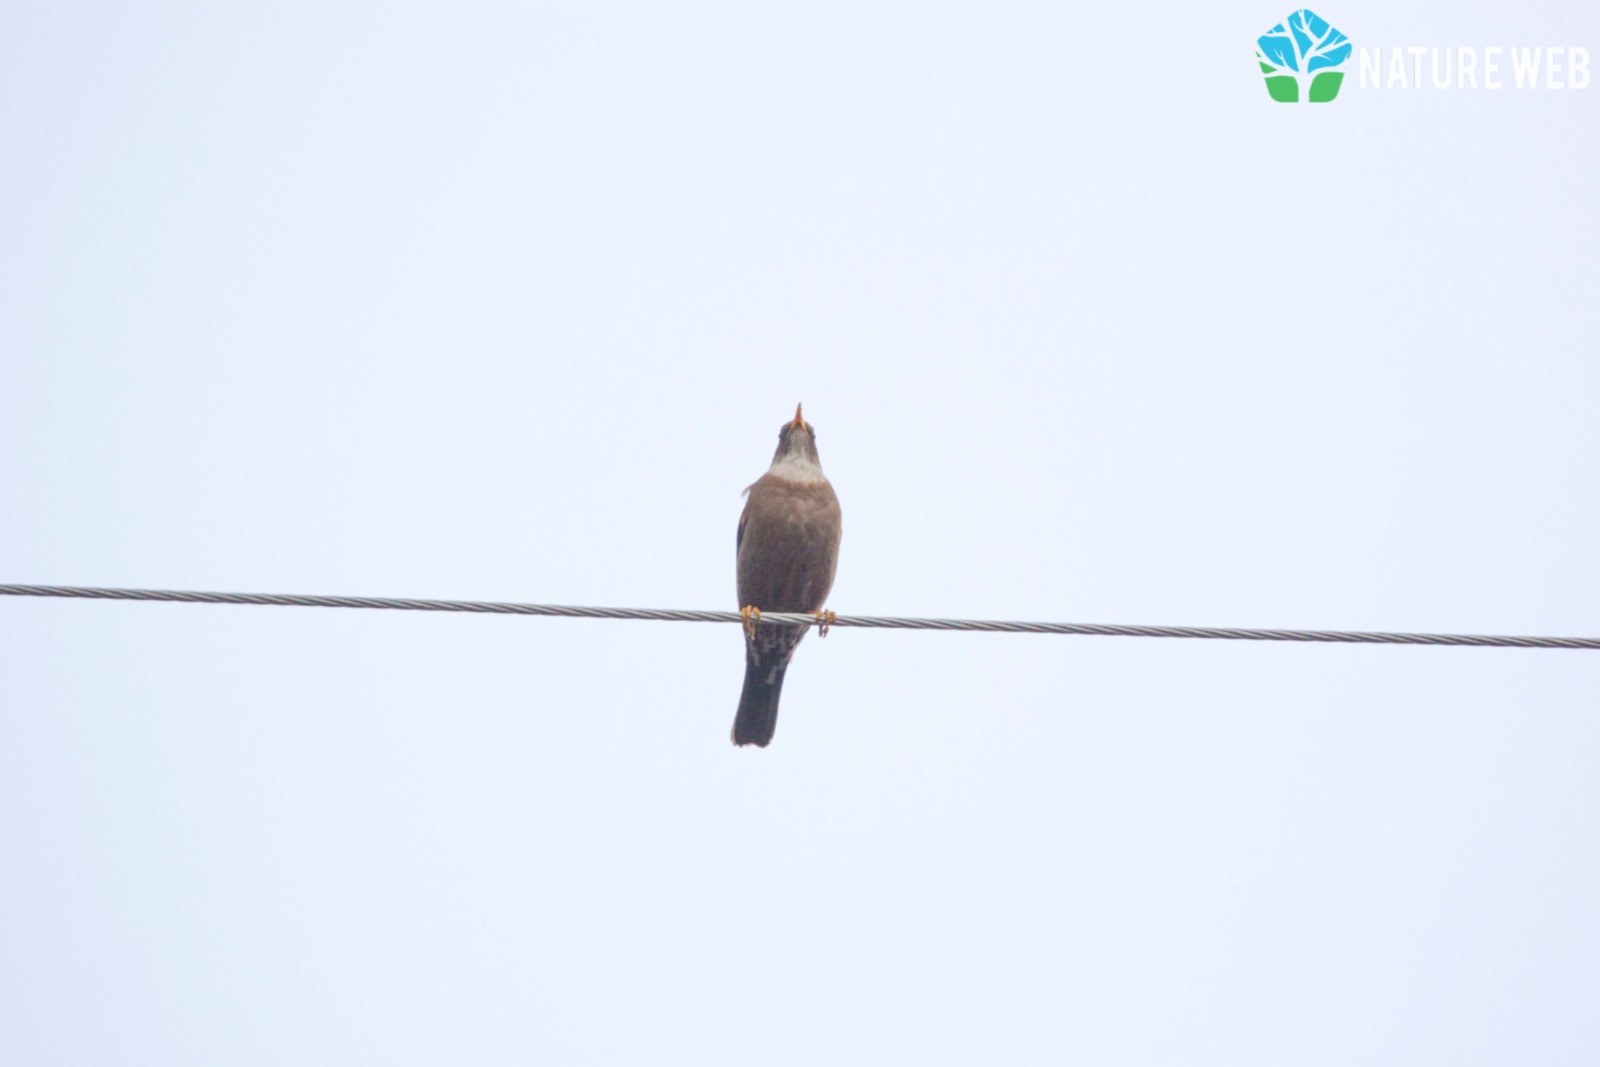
x: 1300, y: 58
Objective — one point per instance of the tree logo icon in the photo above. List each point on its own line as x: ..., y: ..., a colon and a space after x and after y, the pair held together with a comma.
x: 1300, y: 57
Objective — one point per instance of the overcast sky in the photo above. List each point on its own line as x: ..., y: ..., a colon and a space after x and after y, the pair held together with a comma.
x: 510, y: 303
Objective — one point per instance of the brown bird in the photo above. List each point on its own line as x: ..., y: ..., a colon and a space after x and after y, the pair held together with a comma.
x: 788, y: 547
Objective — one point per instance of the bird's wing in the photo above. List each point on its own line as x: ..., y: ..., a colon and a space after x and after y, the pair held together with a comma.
x: 738, y: 540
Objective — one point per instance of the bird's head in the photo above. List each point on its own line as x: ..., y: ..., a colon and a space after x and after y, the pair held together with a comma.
x: 797, y: 448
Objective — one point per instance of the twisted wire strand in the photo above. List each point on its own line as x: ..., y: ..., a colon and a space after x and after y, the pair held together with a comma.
x: 491, y: 607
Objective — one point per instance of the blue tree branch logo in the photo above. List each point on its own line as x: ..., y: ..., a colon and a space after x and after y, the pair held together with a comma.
x: 1300, y: 58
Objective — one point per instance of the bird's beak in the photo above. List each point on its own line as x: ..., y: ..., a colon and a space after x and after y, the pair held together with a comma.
x: 798, y: 421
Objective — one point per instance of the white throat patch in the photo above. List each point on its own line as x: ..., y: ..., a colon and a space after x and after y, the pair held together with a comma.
x: 795, y: 467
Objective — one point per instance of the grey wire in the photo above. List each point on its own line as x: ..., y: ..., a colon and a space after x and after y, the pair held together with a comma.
x: 491, y: 607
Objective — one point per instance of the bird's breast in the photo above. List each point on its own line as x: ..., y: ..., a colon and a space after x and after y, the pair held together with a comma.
x: 790, y: 545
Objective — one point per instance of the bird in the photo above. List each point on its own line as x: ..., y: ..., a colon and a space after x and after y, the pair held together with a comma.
x: 787, y: 551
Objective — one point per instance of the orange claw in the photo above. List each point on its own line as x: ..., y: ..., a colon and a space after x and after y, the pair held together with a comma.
x: 751, y: 616
x: 825, y: 619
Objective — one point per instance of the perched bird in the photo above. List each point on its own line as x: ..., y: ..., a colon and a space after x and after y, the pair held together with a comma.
x: 788, y: 547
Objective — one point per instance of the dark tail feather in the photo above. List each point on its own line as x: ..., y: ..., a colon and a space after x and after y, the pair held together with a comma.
x: 757, y: 719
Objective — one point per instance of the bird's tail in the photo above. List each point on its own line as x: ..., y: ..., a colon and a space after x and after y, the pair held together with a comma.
x: 757, y: 719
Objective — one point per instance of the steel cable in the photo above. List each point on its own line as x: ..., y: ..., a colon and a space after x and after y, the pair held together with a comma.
x: 491, y: 607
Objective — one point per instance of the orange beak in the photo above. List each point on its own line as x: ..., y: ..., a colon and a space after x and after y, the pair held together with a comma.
x: 798, y: 421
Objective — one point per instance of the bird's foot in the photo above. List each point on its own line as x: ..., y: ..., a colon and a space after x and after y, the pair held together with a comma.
x: 825, y: 619
x: 752, y: 617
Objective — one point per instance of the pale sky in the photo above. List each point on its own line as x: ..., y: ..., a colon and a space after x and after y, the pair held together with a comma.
x: 509, y: 302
